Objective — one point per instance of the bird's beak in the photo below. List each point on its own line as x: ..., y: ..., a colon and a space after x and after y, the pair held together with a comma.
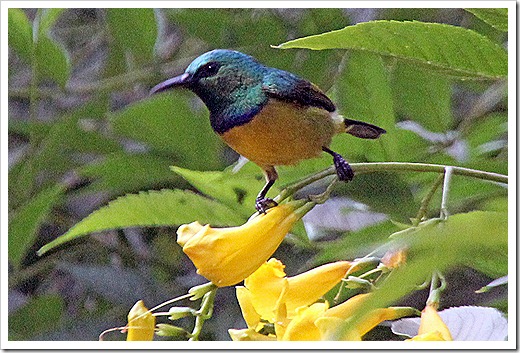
x: 178, y: 81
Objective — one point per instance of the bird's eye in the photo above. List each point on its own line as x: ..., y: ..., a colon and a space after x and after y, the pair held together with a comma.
x: 208, y: 70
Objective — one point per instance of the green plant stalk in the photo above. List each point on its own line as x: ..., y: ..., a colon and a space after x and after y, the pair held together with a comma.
x: 33, y: 104
x: 205, y: 312
x: 426, y: 201
x: 438, y: 285
x: 363, y: 168
x: 445, y: 192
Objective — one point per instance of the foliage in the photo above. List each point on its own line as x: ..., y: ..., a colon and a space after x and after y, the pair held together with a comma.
x: 84, y: 135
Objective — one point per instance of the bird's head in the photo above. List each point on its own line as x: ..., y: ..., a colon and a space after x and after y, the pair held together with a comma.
x: 219, y: 77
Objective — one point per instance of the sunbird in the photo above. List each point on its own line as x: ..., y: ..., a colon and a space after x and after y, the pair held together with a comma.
x: 270, y: 116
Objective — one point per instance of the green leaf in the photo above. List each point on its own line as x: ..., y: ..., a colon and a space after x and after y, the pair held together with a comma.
x: 48, y: 18
x: 57, y: 141
x: 147, y: 209
x: 25, y: 222
x: 135, y: 30
x: 494, y: 17
x: 19, y: 33
x: 355, y: 244
x: 119, y: 173
x: 52, y: 60
x: 41, y: 314
x: 383, y: 192
x: 230, y: 27
x: 464, y: 239
x: 444, y: 48
x: 236, y: 190
x: 167, y: 124
x: 363, y: 93
x: 422, y: 96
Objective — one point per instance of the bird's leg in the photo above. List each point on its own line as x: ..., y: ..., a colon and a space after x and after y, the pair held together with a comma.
x: 263, y: 203
x: 343, y: 169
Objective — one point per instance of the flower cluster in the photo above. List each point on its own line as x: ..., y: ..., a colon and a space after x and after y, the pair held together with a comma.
x: 290, y: 309
x: 275, y: 306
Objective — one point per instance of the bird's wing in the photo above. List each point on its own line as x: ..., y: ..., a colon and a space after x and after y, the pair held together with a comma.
x: 288, y: 87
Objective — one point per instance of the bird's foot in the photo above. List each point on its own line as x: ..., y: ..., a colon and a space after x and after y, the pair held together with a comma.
x: 262, y: 204
x: 343, y: 169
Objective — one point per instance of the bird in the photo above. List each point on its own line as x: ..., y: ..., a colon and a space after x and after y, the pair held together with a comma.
x: 270, y: 116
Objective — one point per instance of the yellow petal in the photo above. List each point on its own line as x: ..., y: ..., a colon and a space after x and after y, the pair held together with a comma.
x: 371, y: 320
x: 306, y: 288
x: 329, y: 325
x: 431, y: 322
x: 186, y: 232
x: 141, y: 323
x: 226, y: 256
x: 345, y: 309
x: 249, y: 313
x: 377, y: 316
x: 302, y: 327
x: 248, y: 334
x: 265, y: 286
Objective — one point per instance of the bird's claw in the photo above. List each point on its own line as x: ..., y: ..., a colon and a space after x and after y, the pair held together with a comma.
x: 343, y: 169
x: 262, y: 204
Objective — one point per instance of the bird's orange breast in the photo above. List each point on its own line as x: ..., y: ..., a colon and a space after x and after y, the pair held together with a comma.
x: 282, y: 133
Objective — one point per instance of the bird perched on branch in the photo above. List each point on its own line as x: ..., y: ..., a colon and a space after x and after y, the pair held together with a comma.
x: 270, y: 116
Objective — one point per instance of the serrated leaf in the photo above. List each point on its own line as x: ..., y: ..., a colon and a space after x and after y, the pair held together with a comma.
x: 444, y: 48
x: 236, y: 190
x: 496, y: 18
x: 19, y: 33
x: 168, y: 125
x: 135, y: 30
x: 466, y: 323
x: 25, y: 222
x: 51, y: 60
x: 147, y: 209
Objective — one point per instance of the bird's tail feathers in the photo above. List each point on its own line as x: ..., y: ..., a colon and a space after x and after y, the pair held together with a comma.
x: 362, y: 130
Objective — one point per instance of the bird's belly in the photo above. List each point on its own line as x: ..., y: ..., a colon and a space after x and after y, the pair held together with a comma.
x: 282, y: 133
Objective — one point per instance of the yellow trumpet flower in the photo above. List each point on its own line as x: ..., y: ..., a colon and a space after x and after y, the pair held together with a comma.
x: 265, y: 287
x: 226, y: 256
x: 432, y: 327
x: 318, y: 322
x: 141, y: 323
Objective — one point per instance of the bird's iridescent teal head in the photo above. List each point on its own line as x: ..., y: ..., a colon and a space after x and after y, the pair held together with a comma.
x: 223, y: 79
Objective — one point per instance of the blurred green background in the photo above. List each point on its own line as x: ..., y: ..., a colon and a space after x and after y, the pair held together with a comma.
x: 83, y: 131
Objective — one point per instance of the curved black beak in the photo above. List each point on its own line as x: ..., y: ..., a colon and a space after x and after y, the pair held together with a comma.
x: 178, y: 81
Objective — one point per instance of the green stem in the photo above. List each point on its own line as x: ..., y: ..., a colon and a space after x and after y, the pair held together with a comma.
x: 205, y: 312
x: 361, y: 168
x: 445, y: 192
x: 33, y: 103
x: 426, y: 201
x: 438, y: 284
x: 364, y: 168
